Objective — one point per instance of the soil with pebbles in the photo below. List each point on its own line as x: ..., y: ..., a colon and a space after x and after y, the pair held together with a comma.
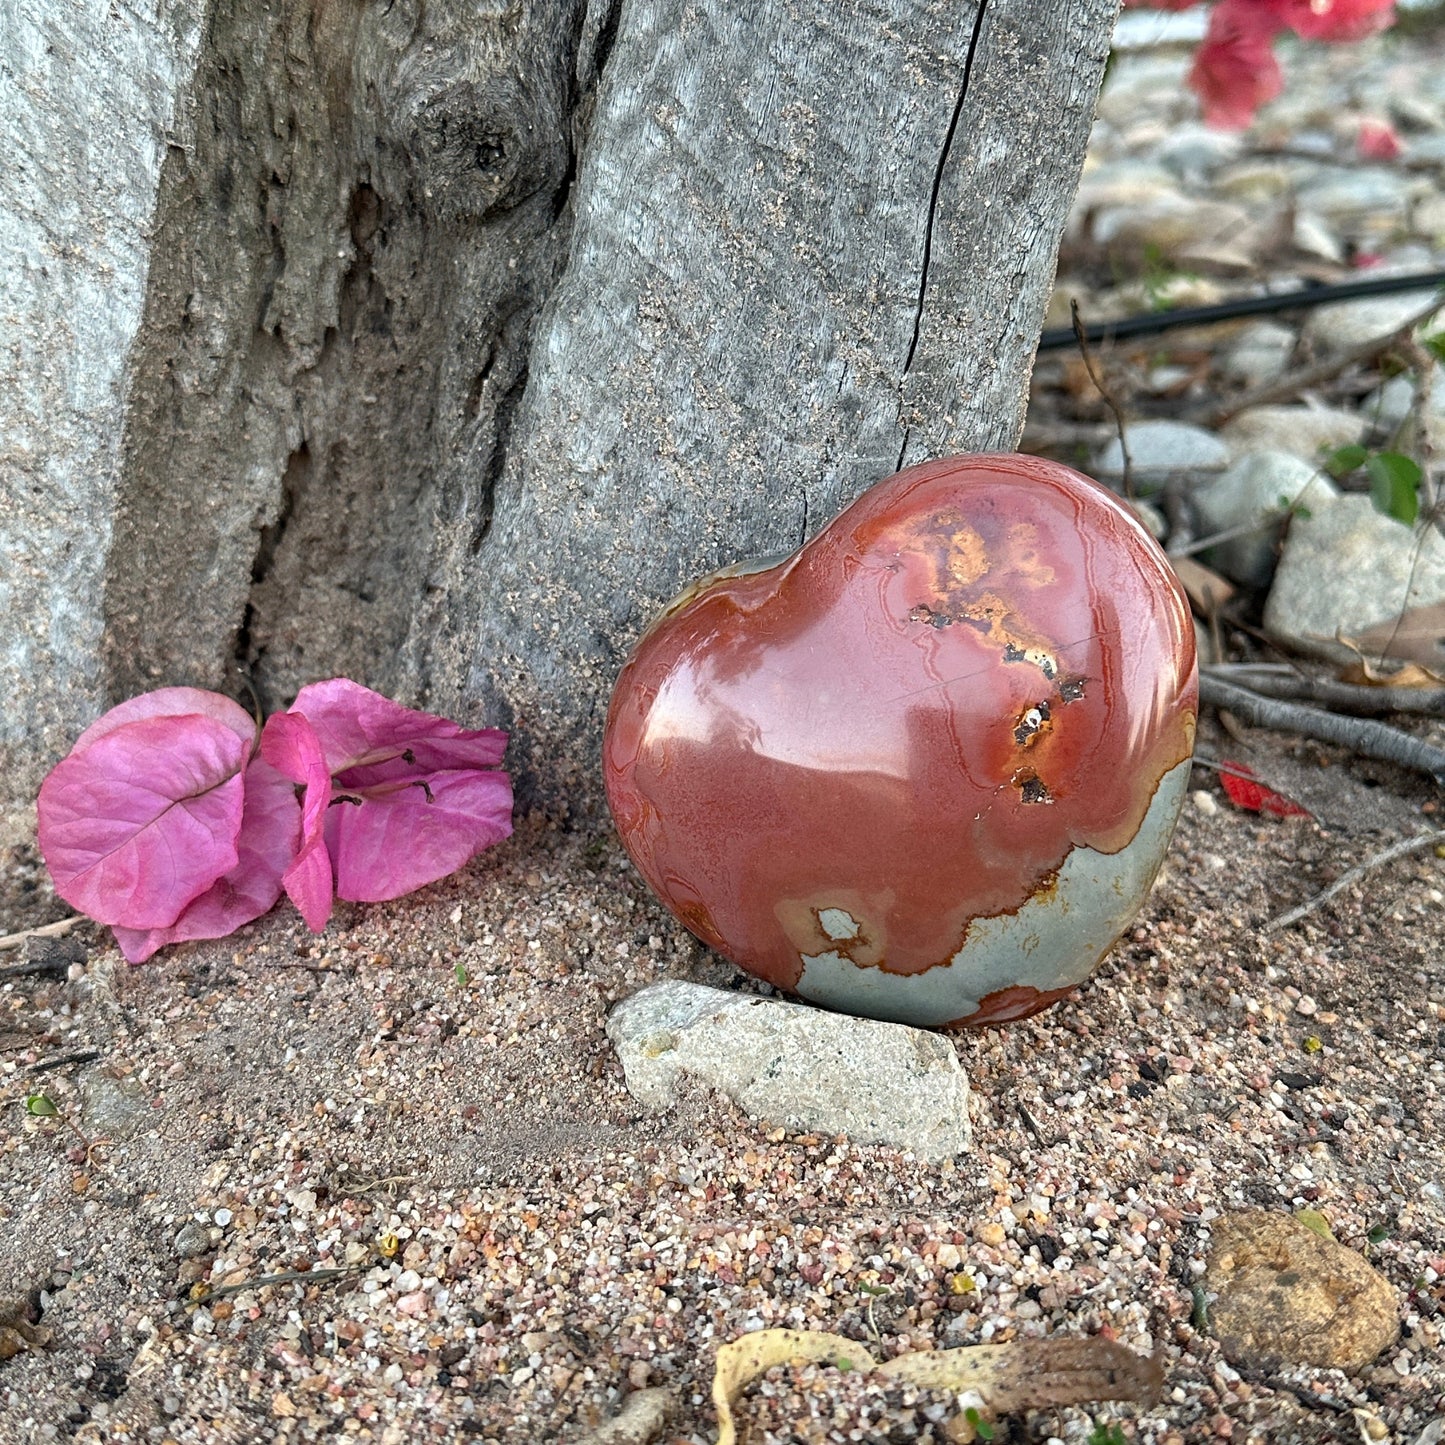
x: 414, y: 1128
x: 386, y: 1184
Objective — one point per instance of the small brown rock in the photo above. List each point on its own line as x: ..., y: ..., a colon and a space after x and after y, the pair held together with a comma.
x: 1287, y: 1295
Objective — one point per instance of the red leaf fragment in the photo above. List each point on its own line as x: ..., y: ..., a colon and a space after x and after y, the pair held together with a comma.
x: 1235, y: 71
x: 1249, y: 793
x: 405, y: 835
x: 368, y: 738
x: 171, y: 702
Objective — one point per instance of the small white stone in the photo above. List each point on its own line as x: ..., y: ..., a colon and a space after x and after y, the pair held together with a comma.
x: 1257, y: 492
x: 223, y: 1217
x: 1204, y: 803
x: 1159, y: 450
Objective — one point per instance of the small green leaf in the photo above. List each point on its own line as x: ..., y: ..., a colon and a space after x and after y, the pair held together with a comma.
x: 1379, y: 1234
x: 1435, y: 345
x: 843, y: 1363
x: 1313, y: 1219
x: 981, y: 1427
x: 41, y: 1106
x: 1344, y: 460
x: 1106, y: 1435
x: 461, y: 973
x: 1395, y: 486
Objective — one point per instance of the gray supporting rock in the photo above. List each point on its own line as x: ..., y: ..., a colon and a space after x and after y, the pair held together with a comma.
x: 796, y: 1066
x: 1342, y: 327
x: 92, y: 95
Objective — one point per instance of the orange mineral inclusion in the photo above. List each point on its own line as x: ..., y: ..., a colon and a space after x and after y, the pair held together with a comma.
x: 927, y: 767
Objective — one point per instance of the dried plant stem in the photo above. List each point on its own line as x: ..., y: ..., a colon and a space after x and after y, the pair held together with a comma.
x: 1399, y: 850
x: 1290, y: 385
x: 286, y: 1276
x: 1287, y: 685
x: 58, y: 929
x: 1108, y: 396
x: 1361, y: 735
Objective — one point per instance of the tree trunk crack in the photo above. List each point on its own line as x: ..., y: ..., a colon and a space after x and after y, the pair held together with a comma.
x: 943, y: 155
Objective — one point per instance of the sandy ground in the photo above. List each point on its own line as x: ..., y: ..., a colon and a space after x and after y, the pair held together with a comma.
x: 419, y: 1110
x: 387, y: 1184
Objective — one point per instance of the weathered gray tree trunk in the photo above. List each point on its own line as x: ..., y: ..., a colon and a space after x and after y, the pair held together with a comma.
x: 436, y: 344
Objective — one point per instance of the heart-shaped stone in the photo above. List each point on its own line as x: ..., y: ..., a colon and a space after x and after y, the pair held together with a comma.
x: 927, y: 767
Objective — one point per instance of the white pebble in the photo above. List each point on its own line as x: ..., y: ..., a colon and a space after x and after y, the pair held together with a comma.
x: 1204, y: 802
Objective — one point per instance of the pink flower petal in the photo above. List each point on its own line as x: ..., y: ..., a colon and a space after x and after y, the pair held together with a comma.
x: 145, y: 818
x: 290, y: 745
x: 359, y: 728
x: 1338, y: 19
x: 270, y: 829
x: 1376, y: 140
x: 1234, y: 70
x: 404, y: 839
x: 171, y: 702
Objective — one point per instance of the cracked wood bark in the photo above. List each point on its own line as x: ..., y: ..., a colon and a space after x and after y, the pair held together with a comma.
x: 471, y: 331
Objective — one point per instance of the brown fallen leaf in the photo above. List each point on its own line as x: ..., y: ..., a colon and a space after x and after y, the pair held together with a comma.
x: 1206, y: 589
x: 740, y: 1362
x: 1417, y: 635
x: 19, y: 1330
x: 1364, y: 673
x: 1033, y: 1374
x: 1022, y: 1375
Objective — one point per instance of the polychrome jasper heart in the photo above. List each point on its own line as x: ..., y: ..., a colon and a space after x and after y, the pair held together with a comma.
x: 926, y: 768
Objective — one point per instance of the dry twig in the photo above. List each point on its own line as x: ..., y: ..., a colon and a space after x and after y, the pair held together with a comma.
x: 1364, y: 736
x: 1290, y: 385
x: 1108, y: 396
x: 285, y: 1276
x: 58, y: 929
x: 1286, y: 685
x: 1399, y: 850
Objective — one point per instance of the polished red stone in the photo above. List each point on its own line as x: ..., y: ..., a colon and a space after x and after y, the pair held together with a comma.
x: 867, y: 759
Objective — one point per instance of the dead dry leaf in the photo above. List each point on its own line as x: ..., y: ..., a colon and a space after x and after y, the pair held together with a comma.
x: 740, y: 1362
x: 1021, y: 1375
x: 1365, y: 673
x: 1035, y: 1374
x: 1206, y: 589
x: 1417, y: 635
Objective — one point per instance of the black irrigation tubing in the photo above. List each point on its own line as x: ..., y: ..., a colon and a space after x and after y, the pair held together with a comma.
x: 1307, y: 296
